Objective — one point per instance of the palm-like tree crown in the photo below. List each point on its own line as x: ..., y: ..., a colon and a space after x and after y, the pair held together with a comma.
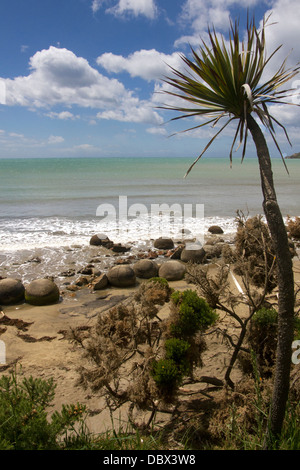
x: 225, y: 81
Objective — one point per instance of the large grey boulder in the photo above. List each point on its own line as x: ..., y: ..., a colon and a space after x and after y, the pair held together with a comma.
x: 121, y: 276
x: 172, y: 270
x: 41, y: 292
x: 145, y: 269
x: 11, y: 291
x: 193, y: 253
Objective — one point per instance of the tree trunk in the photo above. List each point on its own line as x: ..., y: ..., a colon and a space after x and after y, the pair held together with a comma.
x: 285, y: 283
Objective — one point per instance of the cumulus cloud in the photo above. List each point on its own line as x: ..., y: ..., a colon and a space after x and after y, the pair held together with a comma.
x: 55, y: 139
x: 284, y: 31
x: 198, y: 15
x: 58, y: 77
x: 147, y: 64
x: 134, y: 7
x: 63, y: 115
x: 133, y: 111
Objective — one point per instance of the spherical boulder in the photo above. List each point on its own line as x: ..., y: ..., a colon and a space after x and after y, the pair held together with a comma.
x: 163, y: 243
x: 41, y: 292
x: 11, y: 291
x: 145, y: 269
x: 215, y: 229
x: 193, y: 254
x: 121, y: 276
x: 172, y: 270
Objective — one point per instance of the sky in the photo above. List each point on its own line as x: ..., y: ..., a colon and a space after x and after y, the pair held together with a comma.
x: 84, y: 78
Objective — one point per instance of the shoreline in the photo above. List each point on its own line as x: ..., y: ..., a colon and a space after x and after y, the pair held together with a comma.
x: 37, y: 344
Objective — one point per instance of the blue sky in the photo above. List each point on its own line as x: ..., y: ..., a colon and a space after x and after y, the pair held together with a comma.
x: 84, y: 77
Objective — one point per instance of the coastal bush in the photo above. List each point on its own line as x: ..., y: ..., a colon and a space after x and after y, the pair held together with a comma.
x: 25, y: 424
x: 166, y: 374
x: 183, y: 342
x: 194, y: 314
x: 255, y: 256
x: 136, y: 357
x: 262, y: 340
x: 293, y: 227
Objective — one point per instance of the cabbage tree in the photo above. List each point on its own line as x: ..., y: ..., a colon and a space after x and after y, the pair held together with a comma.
x: 224, y: 81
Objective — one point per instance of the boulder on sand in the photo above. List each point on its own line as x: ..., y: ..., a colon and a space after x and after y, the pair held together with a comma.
x: 121, y: 276
x: 172, y: 270
x: 145, y: 269
x: 41, y: 292
x: 192, y: 253
x: 11, y: 291
x: 163, y: 243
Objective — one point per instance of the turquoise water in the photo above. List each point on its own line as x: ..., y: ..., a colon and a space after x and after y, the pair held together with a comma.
x: 75, y: 187
x: 41, y: 200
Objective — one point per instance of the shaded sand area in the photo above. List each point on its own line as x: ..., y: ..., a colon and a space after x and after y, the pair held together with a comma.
x: 35, y: 340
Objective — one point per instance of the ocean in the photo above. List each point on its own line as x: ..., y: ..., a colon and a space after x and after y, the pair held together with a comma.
x: 50, y: 208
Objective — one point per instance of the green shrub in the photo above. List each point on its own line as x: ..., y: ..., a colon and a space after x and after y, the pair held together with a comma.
x: 159, y: 280
x: 177, y: 350
x: 194, y: 314
x: 24, y: 420
x: 265, y: 316
x: 166, y: 374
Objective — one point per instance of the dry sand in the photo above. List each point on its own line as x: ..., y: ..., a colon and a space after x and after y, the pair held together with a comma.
x: 39, y: 346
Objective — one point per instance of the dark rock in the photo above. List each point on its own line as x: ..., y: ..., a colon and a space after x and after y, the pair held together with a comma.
x: 145, y: 269
x: 101, y: 240
x: 69, y: 273
x: 82, y: 281
x: 176, y: 253
x: 172, y: 270
x: 34, y: 260
x: 121, y: 276
x: 100, y: 282
x: 215, y: 229
x: 41, y: 292
x: 11, y: 291
x: 118, y: 248
x: 86, y: 270
x: 164, y: 243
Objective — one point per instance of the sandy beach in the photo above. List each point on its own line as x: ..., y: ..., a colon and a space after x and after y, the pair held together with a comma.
x: 35, y: 340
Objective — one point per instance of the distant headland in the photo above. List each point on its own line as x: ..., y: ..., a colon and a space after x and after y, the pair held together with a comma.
x: 295, y: 155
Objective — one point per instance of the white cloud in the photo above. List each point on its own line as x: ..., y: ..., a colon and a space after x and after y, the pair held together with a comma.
x: 284, y: 30
x: 96, y: 5
x: 147, y: 64
x: 63, y: 115
x: 199, y: 14
x: 157, y: 131
x: 135, y: 7
x: 133, y: 111
x: 58, y: 77
x: 55, y: 139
